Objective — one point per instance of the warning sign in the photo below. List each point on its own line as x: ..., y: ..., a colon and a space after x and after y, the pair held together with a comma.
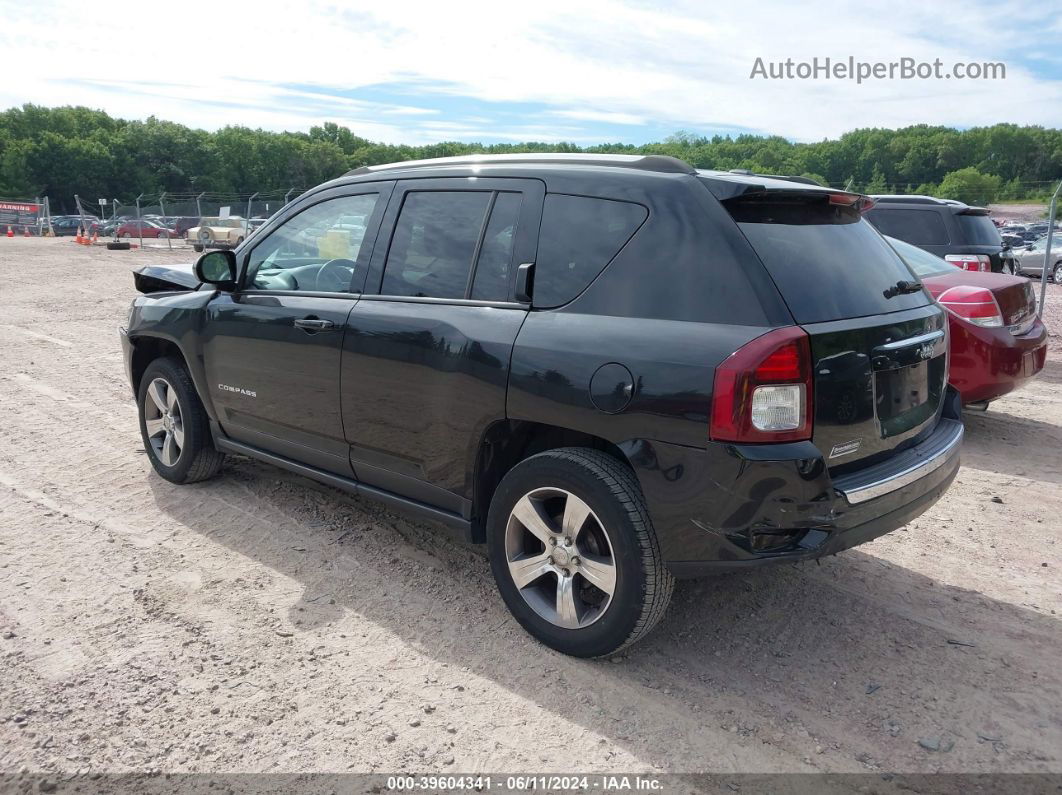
x: 16, y: 213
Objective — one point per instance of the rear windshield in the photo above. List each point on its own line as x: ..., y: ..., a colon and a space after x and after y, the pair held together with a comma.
x: 827, y: 262
x: 921, y: 262
x: 921, y: 227
x: 978, y: 230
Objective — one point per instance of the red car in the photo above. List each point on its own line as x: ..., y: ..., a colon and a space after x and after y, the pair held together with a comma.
x: 129, y: 229
x: 997, y: 341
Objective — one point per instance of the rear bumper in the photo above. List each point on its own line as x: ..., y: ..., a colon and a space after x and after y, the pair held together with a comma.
x: 987, y: 363
x: 740, y: 506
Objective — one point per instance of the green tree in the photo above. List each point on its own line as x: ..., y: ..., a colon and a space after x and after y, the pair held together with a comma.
x: 970, y: 185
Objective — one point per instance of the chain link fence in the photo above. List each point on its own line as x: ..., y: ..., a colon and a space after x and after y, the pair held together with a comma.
x: 173, y: 220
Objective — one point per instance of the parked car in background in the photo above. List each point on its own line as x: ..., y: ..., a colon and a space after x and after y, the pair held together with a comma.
x: 182, y: 223
x: 68, y: 225
x: 1012, y: 240
x: 144, y: 228
x: 963, y: 235
x: 535, y: 351
x: 1030, y: 259
x: 217, y: 233
x: 997, y: 341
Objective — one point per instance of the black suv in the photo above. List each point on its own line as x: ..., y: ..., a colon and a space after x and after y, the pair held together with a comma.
x: 611, y: 370
x: 963, y: 235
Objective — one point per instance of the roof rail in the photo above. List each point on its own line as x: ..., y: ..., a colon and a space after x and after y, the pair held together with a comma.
x: 659, y: 163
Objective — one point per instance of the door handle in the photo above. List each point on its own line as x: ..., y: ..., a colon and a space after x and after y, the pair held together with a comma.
x: 314, y: 324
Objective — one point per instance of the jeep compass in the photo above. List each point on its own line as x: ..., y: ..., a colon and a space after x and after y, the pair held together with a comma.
x: 610, y: 370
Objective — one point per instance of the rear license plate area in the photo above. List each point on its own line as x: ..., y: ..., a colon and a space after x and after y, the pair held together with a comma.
x: 906, y: 397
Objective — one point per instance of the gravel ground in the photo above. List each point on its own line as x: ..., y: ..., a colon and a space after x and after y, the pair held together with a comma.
x: 261, y: 622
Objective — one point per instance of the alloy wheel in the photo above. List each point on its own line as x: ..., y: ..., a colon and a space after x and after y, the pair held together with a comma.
x: 163, y: 421
x: 560, y: 558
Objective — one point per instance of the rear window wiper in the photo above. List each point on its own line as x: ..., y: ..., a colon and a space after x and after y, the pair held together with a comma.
x: 902, y: 288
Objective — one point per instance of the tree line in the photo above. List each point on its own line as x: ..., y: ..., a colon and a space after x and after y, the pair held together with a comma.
x: 59, y: 152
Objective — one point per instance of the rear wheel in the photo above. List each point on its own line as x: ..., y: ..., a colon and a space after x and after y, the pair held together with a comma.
x: 174, y: 425
x: 1057, y: 276
x: 574, y: 553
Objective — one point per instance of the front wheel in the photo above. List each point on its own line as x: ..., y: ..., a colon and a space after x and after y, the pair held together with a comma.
x: 1057, y: 276
x: 174, y: 425
x: 574, y: 553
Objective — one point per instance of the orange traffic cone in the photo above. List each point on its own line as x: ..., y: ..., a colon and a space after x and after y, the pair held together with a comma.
x: 25, y: 231
x: 96, y: 235
x: 10, y: 231
x: 77, y: 237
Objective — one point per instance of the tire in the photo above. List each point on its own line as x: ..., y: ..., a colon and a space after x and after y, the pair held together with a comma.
x: 196, y: 247
x: 168, y: 403
x: 1057, y: 275
x: 616, y: 529
x: 238, y: 241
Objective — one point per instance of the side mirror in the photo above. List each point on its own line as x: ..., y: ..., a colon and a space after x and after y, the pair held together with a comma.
x: 217, y: 268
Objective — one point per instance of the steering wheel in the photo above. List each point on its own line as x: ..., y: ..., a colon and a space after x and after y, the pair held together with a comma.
x: 334, y: 276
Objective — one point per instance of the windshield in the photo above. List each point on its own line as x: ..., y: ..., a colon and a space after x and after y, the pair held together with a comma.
x: 921, y: 262
x: 978, y: 230
x: 828, y: 263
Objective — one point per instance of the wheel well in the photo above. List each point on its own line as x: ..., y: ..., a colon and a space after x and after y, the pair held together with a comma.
x: 505, y: 444
x: 148, y: 349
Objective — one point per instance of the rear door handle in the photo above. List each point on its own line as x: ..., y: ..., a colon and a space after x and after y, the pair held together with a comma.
x: 314, y: 324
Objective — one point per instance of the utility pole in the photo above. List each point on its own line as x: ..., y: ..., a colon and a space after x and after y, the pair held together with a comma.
x: 162, y: 207
x: 80, y: 214
x: 198, y: 209
x: 1047, y: 247
x: 247, y: 217
x: 139, y: 226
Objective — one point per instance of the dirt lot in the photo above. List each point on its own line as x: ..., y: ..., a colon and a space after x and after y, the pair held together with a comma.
x: 259, y: 622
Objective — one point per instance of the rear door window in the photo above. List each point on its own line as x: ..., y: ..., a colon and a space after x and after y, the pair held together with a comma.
x: 828, y: 263
x: 580, y: 235
x: 919, y: 227
x: 434, y: 241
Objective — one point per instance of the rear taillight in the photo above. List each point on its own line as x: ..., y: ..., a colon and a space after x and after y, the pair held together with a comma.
x: 970, y: 262
x: 763, y: 390
x: 975, y: 304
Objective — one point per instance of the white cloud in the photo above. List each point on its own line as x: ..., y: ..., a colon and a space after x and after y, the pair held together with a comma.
x: 601, y: 62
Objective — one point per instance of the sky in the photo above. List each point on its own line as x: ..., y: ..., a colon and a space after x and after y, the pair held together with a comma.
x: 549, y: 70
